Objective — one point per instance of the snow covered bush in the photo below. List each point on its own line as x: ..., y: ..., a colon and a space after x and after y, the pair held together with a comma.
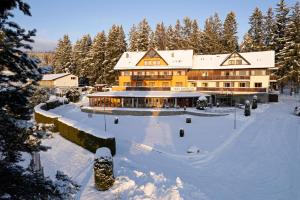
x: 66, y: 188
x: 39, y: 96
x: 103, y: 169
x: 73, y: 95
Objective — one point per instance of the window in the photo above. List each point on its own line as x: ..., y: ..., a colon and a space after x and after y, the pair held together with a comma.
x: 242, y: 84
x: 139, y: 84
x: 165, y: 84
x: 258, y: 85
x: 126, y: 73
x: 227, y: 73
x: 258, y: 72
x: 217, y: 84
x: 193, y: 84
x: 204, y: 74
x: 227, y: 85
x: 178, y: 73
x: 151, y: 84
x: 238, y: 62
x: 243, y: 73
x: 231, y: 62
x: 126, y: 84
x: 139, y: 73
x: 73, y: 78
x: 204, y: 84
x: 146, y: 63
x: 165, y: 73
x: 157, y: 62
x: 178, y: 84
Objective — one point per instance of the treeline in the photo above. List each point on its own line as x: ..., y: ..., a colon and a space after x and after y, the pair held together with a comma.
x: 94, y: 60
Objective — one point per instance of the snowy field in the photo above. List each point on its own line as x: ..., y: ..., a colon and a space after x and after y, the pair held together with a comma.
x: 258, y: 160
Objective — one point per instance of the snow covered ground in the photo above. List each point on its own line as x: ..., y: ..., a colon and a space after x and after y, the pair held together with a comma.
x: 258, y: 160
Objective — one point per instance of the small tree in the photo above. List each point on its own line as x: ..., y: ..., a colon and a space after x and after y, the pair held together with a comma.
x: 73, y: 95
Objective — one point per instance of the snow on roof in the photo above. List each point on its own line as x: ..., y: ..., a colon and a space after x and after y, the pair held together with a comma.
x: 146, y: 94
x: 184, y: 59
x: 50, y: 77
x: 174, y: 58
x: 260, y: 59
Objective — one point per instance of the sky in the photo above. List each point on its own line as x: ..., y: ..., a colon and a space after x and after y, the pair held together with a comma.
x: 54, y: 18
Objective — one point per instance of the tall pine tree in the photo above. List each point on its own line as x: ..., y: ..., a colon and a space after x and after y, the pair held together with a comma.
x: 133, y: 39
x: 269, y: 30
x: 144, y: 31
x: 63, y: 55
x: 256, y: 31
x: 230, y: 39
x: 160, y: 37
x: 195, y: 39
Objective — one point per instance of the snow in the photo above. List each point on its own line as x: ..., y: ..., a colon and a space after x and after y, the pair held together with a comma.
x: 103, y: 152
x: 50, y: 77
x: 258, y: 160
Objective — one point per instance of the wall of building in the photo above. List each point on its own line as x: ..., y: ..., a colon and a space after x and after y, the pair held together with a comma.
x: 46, y: 83
x: 66, y: 81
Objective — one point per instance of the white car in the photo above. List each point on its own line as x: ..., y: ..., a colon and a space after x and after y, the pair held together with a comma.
x: 297, y: 110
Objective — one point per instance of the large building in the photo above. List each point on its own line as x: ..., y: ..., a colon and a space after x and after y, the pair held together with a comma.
x: 234, y: 77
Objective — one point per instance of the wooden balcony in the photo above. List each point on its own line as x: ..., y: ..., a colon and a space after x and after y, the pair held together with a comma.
x: 218, y: 77
x: 151, y: 77
x: 222, y: 89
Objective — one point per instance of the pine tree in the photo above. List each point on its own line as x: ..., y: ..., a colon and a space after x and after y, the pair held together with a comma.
x: 186, y: 33
x: 18, y: 81
x: 195, y: 39
x: 269, y: 30
x: 80, y: 52
x: 95, y: 60
x: 178, y: 38
x: 246, y: 44
x: 151, y: 40
x: 170, y: 40
x: 213, y: 35
x: 160, y: 37
x: 289, y: 56
x: 230, y: 39
x: 116, y: 46
x: 256, y: 31
x: 144, y: 31
x: 133, y: 39
x: 63, y: 55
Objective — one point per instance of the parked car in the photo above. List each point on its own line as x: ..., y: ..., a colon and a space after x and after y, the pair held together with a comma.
x: 297, y: 110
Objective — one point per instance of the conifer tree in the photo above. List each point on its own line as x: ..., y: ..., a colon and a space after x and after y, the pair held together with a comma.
x: 151, y: 40
x: 186, y: 33
x: 289, y: 56
x: 115, y: 47
x: 256, y: 31
x: 170, y: 40
x: 178, y: 38
x: 160, y: 37
x: 63, y: 55
x: 195, y: 39
x: 213, y: 35
x: 269, y: 30
x: 144, y: 31
x: 133, y: 39
x: 18, y: 82
x: 80, y: 52
x: 95, y: 68
x: 230, y: 39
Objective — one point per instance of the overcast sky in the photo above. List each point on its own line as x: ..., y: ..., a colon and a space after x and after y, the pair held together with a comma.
x: 54, y: 18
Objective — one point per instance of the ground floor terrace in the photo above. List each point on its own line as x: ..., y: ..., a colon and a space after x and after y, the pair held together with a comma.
x: 145, y: 99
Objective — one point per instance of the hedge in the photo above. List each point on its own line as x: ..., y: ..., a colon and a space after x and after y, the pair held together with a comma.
x: 79, y: 137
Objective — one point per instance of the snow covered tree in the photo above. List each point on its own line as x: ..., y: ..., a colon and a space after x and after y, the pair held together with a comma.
x: 144, y: 31
x: 115, y: 47
x: 95, y: 60
x: 177, y: 38
x: 63, y: 55
x: 133, y: 39
x: 246, y: 44
x: 213, y: 35
x: 18, y: 78
x: 230, y: 39
x: 73, y: 95
x: 256, y: 31
x: 170, y: 40
x: 41, y: 95
x: 269, y: 30
x: 160, y: 36
x: 186, y: 33
x: 289, y: 56
x: 195, y: 39
x: 80, y: 51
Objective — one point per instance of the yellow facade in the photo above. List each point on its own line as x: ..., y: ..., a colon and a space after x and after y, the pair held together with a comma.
x: 152, y: 62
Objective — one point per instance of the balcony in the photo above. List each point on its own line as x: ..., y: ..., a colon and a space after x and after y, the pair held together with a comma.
x: 143, y: 88
x: 218, y: 77
x: 151, y: 77
x: 222, y: 89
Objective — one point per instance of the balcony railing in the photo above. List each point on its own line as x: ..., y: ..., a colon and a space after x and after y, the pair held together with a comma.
x: 151, y: 77
x: 222, y: 89
x: 218, y: 77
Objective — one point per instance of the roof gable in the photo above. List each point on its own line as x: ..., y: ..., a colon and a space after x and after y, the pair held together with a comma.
x: 234, y: 59
x: 150, y: 54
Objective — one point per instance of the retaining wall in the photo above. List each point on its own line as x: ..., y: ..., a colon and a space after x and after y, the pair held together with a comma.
x: 75, y: 135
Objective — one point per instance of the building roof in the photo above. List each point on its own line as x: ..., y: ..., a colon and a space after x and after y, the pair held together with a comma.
x: 185, y: 59
x: 146, y: 94
x: 51, y: 77
x: 177, y: 59
x: 260, y: 59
